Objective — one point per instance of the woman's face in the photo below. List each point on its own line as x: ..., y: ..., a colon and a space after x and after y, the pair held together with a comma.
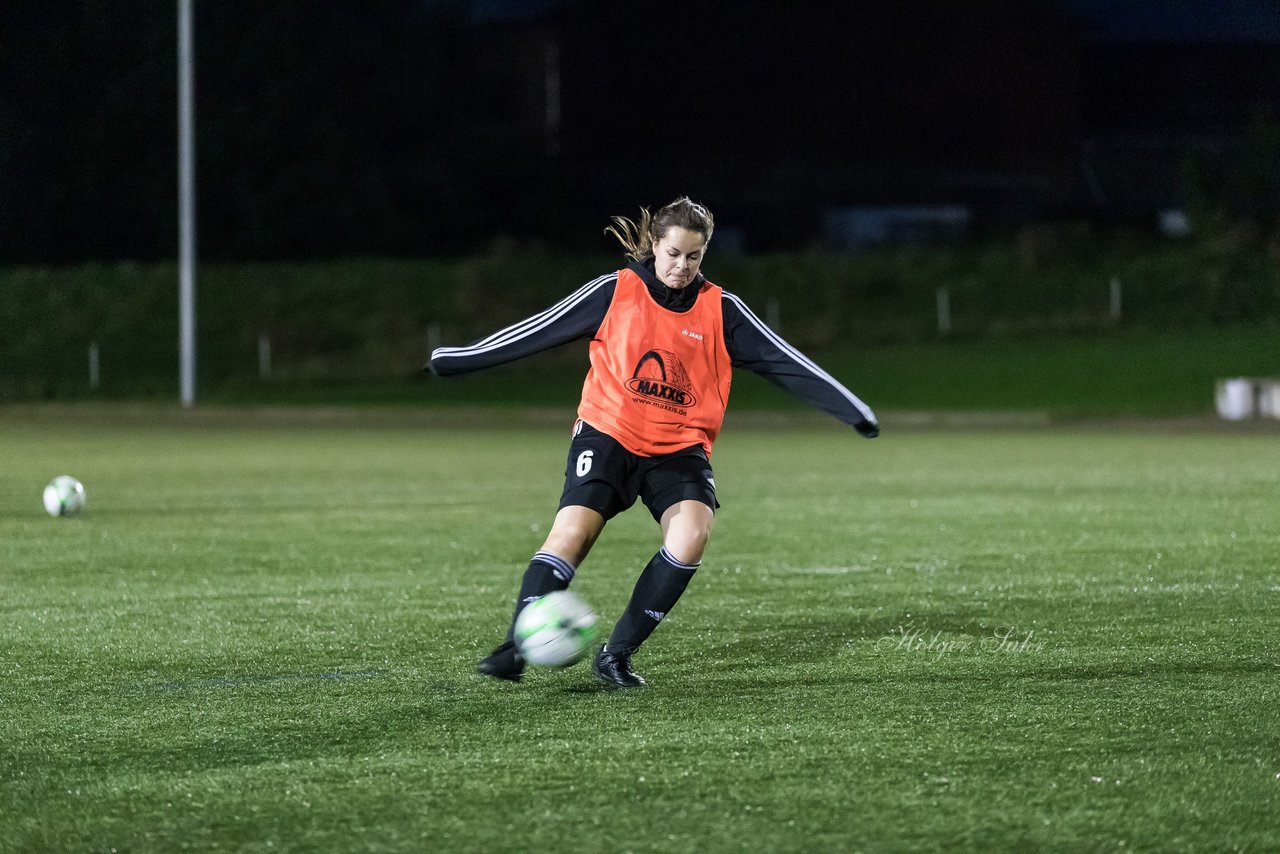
x: 678, y: 255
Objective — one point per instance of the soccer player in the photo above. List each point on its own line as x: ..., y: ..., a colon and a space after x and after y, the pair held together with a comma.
x: 664, y: 343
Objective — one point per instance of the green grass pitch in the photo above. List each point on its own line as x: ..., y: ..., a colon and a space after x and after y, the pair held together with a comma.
x: 261, y: 636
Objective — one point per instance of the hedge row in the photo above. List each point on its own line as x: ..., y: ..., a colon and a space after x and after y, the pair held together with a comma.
x: 366, y: 319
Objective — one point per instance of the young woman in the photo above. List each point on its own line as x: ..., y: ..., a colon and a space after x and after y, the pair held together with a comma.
x: 664, y: 343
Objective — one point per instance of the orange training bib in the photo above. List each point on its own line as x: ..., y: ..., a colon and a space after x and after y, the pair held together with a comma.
x: 659, y: 380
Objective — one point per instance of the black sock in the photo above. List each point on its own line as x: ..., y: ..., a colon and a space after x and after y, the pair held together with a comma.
x: 546, y: 572
x: 656, y: 593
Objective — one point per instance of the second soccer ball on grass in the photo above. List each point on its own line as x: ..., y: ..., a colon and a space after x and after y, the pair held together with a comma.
x: 64, y: 496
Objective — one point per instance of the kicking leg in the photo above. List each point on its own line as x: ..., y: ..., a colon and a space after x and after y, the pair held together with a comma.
x: 572, y: 535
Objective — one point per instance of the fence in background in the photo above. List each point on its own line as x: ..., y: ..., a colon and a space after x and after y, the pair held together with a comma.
x: 112, y: 328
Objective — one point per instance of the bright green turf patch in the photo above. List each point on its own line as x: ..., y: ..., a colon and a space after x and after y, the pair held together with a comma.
x: 1129, y: 372
x: 262, y: 637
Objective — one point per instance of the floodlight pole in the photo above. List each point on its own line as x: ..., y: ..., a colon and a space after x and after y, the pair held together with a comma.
x: 186, y: 207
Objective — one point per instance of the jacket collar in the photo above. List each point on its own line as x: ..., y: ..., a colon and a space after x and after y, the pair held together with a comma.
x: 674, y: 299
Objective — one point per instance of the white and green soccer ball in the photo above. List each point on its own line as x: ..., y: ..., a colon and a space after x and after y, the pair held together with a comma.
x: 556, y: 630
x: 64, y: 496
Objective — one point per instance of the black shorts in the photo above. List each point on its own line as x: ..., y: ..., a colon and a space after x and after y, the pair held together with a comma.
x: 606, y: 477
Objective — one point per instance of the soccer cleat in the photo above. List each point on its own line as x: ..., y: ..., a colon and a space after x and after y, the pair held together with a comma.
x: 614, y: 670
x: 505, y: 662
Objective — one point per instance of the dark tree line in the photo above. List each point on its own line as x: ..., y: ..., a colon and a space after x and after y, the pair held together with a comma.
x: 323, y: 128
x: 428, y: 127
x: 404, y: 127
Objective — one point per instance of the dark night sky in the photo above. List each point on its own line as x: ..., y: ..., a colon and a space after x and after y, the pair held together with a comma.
x: 1180, y: 21
x: 410, y: 127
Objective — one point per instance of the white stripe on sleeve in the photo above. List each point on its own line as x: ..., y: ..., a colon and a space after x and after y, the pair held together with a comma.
x: 800, y: 358
x: 526, y: 328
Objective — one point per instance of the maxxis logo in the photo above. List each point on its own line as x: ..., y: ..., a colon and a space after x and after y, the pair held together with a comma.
x: 661, y: 380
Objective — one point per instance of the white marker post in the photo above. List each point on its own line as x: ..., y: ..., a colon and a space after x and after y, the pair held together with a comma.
x: 186, y: 207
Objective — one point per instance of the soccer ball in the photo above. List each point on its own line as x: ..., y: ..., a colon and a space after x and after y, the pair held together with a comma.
x: 64, y: 496
x: 555, y: 630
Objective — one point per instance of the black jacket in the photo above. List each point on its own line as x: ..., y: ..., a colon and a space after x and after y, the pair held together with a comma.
x: 751, y: 344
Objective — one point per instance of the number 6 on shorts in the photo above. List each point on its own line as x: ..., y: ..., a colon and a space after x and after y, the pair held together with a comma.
x: 584, y: 462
